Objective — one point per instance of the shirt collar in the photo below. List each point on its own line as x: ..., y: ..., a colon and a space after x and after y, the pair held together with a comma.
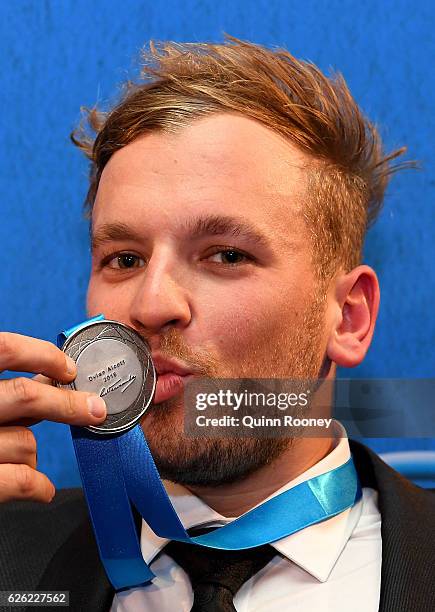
x: 315, y: 548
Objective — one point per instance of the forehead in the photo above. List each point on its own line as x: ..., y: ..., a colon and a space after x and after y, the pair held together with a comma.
x: 228, y: 163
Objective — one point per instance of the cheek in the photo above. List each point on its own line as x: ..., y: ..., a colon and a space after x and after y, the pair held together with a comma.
x: 92, y: 298
x: 114, y: 301
x: 237, y: 324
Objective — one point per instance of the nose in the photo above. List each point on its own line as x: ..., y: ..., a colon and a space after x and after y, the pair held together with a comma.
x: 160, y: 301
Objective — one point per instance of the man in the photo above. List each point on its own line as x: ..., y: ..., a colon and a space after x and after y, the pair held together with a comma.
x: 229, y: 197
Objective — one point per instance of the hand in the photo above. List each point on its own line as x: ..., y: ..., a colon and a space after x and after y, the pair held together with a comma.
x: 26, y: 401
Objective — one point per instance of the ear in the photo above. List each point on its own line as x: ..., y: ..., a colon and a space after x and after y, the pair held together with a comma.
x: 354, y: 311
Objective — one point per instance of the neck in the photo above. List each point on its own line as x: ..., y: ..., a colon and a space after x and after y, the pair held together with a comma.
x: 236, y: 498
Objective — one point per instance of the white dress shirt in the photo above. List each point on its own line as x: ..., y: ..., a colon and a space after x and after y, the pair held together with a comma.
x: 334, y: 565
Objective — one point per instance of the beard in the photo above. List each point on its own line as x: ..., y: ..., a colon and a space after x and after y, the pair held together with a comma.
x: 279, y: 350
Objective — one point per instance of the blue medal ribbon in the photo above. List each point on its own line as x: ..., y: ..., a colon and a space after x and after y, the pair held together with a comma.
x: 118, y: 470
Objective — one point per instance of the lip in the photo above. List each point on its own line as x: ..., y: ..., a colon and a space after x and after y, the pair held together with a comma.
x: 172, y: 375
x: 164, y: 365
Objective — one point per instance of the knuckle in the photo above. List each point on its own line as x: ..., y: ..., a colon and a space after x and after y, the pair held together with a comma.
x: 6, y: 346
x: 26, y: 440
x: 70, y: 405
x: 25, y: 481
x: 24, y: 390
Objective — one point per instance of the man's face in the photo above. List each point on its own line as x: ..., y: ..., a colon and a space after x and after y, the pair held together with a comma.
x: 200, y: 245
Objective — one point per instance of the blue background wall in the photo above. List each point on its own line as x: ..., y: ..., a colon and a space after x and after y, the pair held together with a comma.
x: 57, y: 55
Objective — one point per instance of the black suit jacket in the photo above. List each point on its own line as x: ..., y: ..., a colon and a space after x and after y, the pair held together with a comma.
x: 52, y: 547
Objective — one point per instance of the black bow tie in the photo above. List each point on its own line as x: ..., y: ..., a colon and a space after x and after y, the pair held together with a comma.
x: 216, y: 575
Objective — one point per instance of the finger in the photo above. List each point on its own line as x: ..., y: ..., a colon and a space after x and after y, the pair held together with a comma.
x: 19, y: 481
x: 17, y: 445
x: 24, y: 354
x: 26, y: 398
x: 43, y: 379
x: 26, y: 422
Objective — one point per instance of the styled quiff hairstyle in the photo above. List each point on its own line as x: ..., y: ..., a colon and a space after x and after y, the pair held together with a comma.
x: 182, y: 82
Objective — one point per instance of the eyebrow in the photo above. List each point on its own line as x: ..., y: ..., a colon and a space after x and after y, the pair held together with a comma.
x: 110, y: 232
x: 217, y: 225
x: 211, y: 225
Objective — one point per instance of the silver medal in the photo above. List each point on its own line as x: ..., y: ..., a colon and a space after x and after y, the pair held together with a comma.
x: 114, y: 362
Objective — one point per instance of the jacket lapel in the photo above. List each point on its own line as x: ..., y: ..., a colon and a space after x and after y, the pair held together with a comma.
x: 408, y: 535
x: 76, y: 567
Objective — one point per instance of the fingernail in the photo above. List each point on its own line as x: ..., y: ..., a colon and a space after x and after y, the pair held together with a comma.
x: 70, y: 365
x: 96, y: 406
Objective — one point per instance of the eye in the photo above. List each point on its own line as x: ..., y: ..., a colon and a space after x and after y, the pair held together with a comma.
x: 229, y: 257
x: 123, y: 261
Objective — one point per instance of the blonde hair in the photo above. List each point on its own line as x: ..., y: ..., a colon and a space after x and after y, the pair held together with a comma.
x: 184, y: 81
